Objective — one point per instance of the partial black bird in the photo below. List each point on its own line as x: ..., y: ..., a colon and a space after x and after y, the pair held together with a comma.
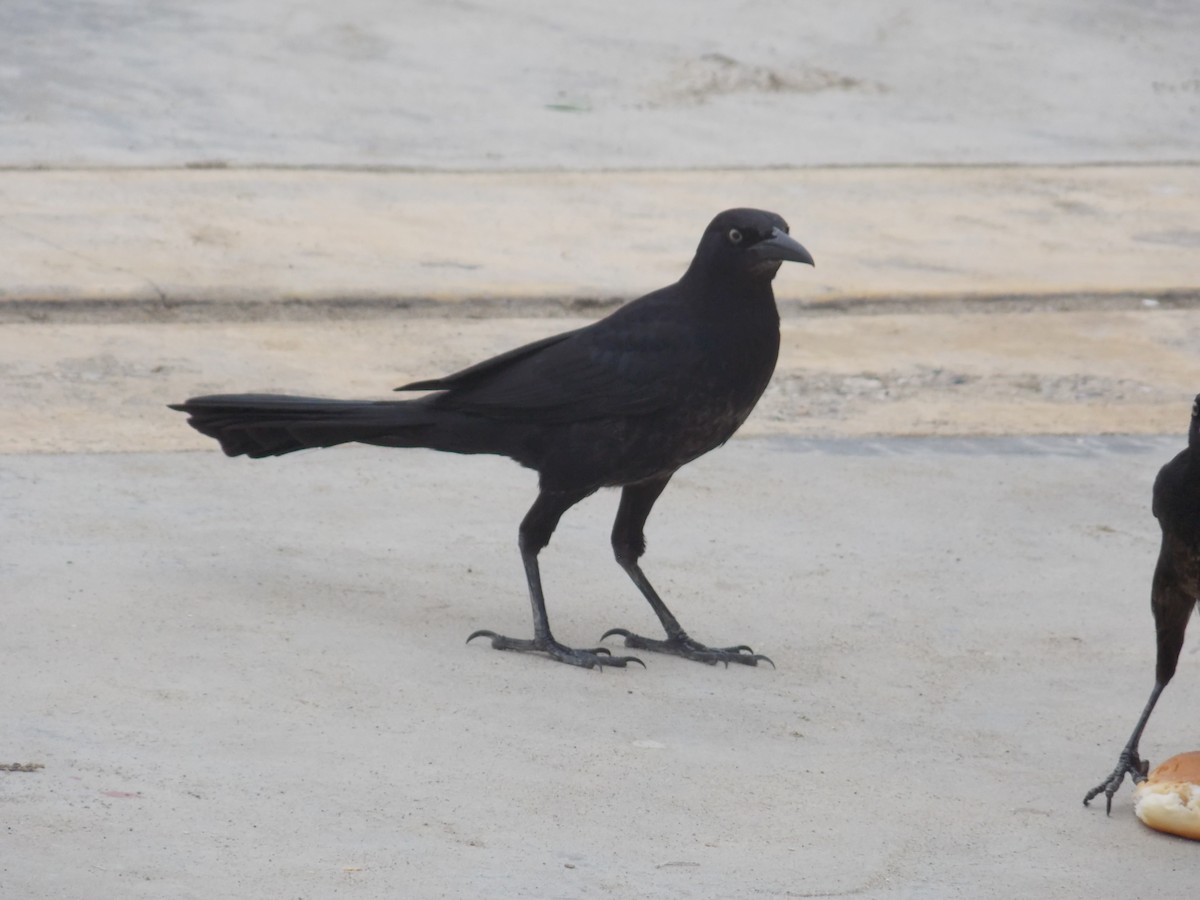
x: 1173, y: 591
x: 623, y: 402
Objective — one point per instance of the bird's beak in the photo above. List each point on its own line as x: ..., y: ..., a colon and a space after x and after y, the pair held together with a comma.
x: 782, y: 246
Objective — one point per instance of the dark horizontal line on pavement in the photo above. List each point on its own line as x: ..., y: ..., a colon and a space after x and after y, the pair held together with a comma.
x: 96, y: 310
x: 401, y: 169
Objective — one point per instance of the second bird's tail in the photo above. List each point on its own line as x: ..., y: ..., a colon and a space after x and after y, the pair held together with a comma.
x: 258, y: 425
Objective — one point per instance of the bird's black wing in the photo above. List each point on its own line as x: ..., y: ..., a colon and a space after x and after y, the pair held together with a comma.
x: 635, y: 361
x: 479, y: 373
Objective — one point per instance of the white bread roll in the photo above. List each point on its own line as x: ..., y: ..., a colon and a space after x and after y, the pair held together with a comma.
x: 1169, y: 799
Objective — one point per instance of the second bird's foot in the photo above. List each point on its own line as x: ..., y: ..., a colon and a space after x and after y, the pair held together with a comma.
x: 690, y: 649
x: 1130, y: 764
x: 596, y: 658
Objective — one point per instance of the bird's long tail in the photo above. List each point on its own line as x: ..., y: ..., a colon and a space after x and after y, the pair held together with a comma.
x: 258, y: 425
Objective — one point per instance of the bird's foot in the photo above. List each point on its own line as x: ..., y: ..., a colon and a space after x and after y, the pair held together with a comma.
x: 1129, y: 764
x: 690, y: 649
x: 598, y: 657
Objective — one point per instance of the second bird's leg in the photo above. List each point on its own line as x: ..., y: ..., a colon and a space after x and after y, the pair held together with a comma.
x: 1172, y: 598
x: 1129, y: 762
x: 536, y: 528
x: 629, y: 543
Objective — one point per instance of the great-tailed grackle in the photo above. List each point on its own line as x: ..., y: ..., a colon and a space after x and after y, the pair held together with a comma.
x: 1173, y: 592
x: 623, y: 402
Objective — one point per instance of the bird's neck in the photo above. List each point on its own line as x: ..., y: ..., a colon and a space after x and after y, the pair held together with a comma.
x: 730, y: 289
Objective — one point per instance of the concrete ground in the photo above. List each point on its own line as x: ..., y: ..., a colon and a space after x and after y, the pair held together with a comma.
x: 526, y: 84
x: 241, y: 679
x: 249, y: 679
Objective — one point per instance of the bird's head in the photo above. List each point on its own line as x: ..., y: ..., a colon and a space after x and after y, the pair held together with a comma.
x: 748, y: 242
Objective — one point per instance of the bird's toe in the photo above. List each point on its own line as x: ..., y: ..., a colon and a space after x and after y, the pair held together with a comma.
x: 1129, y: 764
x: 597, y: 657
x: 682, y: 645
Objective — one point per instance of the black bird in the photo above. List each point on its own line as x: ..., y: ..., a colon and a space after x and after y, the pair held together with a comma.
x: 623, y: 402
x: 1173, y: 592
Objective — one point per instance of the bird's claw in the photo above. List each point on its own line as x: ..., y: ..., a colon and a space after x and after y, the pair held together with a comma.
x: 595, y: 658
x: 1129, y: 764
x: 689, y: 649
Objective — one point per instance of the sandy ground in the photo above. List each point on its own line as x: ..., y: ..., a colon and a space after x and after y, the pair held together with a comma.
x: 269, y: 243
x: 104, y: 387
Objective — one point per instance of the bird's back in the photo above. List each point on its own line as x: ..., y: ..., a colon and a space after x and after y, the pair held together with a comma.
x: 639, y: 393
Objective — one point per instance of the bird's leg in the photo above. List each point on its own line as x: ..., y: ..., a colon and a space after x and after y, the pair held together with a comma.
x: 1172, y: 598
x: 536, y: 528
x: 1129, y: 762
x: 629, y: 543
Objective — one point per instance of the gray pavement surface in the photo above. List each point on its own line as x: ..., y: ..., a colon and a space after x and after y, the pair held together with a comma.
x: 503, y: 84
x: 248, y: 679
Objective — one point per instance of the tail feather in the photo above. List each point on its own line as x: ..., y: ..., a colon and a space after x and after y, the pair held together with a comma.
x: 259, y: 425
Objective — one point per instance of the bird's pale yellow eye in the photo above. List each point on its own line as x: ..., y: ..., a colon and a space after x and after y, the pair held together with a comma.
x: 735, y: 236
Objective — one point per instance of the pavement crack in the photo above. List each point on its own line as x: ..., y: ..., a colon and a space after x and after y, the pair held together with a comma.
x: 83, y: 257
